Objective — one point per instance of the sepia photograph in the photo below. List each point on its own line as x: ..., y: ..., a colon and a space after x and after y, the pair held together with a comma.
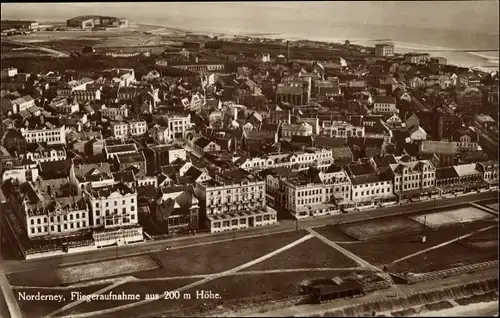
x: 249, y: 159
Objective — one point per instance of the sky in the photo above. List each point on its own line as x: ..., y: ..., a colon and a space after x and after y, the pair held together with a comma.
x: 471, y: 16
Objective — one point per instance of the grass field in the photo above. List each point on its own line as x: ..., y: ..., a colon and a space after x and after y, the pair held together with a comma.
x: 234, y: 290
x: 214, y: 258
x: 140, y: 288
x: 334, y: 234
x: 439, y: 219
x: 380, y: 228
x: 71, y: 274
x: 453, y: 255
x: 384, y: 251
x: 41, y: 308
x: 312, y: 253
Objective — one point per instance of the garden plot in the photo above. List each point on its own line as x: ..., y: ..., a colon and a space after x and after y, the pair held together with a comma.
x: 91, y: 271
x: 438, y: 219
x: 380, y: 228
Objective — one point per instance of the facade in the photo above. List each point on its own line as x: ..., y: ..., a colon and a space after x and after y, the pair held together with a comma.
x: 95, y: 21
x: 113, y: 214
x: 417, y: 58
x: 114, y: 112
x: 51, y: 136
x: 129, y: 128
x: 201, y: 67
x: 235, y: 200
x: 302, y: 129
x: 384, y: 50
x: 413, y: 177
x: 41, y: 152
x: 341, y: 129
x: 371, y: 188
x: 385, y: 104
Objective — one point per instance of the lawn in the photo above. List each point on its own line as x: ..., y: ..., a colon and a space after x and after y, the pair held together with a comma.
x: 72, y: 274
x: 217, y: 257
x: 235, y: 291
x: 379, y: 228
x: 449, y: 256
x: 334, y: 233
x: 140, y: 288
x: 385, y: 251
x: 41, y: 308
x: 312, y: 253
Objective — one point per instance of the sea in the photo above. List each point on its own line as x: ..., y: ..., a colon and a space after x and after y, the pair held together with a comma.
x: 469, y: 49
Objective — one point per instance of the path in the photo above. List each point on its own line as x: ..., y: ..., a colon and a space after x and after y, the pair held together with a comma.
x: 9, y: 297
x: 181, y: 289
x: 485, y: 208
x: 342, y: 250
x: 443, y: 244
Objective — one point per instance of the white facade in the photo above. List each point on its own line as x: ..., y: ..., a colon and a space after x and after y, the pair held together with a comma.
x: 50, y: 136
x: 368, y: 191
x: 341, y: 129
x: 58, y: 222
x: 413, y: 175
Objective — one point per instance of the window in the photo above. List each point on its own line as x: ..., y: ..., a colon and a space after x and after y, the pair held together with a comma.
x: 132, y: 216
x: 32, y: 222
x: 132, y: 208
x: 107, y: 204
x: 234, y: 222
x: 84, y: 224
x: 65, y: 226
x: 243, y: 221
x: 97, y: 212
x: 97, y: 205
x: 116, y: 203
x: 71, y: 225
x: 39, y: 221
x: 132, y: 200
x: 71, y: 217
x: 124, y: 210
x: 98, y: 222
x: 32, y: 231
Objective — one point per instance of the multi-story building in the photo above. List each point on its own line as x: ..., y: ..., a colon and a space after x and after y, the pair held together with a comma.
x: 490, y: 172
x: 178, y: 125
x: 128, y: 160
x: 385, y: 104
x: 234, y: 200
x: 341, y: 129
x: 50, y: 217
x: 64, y: 106
x: 319, y: 158
x: 302, y: 129
x: 114, y: 112
x: 113, y: 214
x: 129, y: 128
x: 384, y: 49
x: 54, y: 135
x: 417, y: 58
x: 41, y: 152
x: 112, y: 151
x: 466, y: 139
x: 311, y: 193
x: 413, y: 178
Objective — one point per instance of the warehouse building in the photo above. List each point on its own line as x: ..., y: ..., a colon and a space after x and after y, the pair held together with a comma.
x: 96, y: 21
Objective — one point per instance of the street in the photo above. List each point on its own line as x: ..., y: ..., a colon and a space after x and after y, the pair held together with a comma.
x: 10, y: 266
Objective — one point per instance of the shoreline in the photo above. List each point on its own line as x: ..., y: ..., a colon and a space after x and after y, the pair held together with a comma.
x: 476, y: 309
x: 481, y: 61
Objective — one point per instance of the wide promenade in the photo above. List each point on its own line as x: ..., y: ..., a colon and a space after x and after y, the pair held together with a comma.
x: 9, y: 266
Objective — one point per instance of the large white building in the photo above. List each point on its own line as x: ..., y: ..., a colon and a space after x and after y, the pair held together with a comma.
x: 55, y: 135
x: 312, y: 193
x: 113, y: 214
x: 321, y: 158
x: 235, y: 200
x: 341, y: 129
x: 130, y: 128
x: 413, y: 177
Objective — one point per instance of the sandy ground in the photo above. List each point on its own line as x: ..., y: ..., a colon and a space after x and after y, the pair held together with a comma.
x: 450, y: 217
x: 479, y: 309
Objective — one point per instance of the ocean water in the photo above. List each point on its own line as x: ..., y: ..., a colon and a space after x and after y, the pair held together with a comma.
x: 410, y: 25
x: 408, y: 38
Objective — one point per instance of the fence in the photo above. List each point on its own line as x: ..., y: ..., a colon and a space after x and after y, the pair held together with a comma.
x: 449, y: 272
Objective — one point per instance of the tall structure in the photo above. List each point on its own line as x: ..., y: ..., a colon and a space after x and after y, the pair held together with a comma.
x: 384, y: 49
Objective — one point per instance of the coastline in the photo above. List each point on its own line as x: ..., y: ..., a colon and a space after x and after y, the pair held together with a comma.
x: 476, y: 309
x: 482, y: 61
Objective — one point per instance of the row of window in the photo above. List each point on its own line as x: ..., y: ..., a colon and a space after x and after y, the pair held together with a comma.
x: 115, y: 211
x: 367, y: 185
x: 115, y: 202
x: 115, y: 235
x: 373, y: 192
x: 65, y: 226
x: 235, y: 222
x: 58, y: 218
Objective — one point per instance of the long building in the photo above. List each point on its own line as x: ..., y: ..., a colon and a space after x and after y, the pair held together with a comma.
x: 95, y: 21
